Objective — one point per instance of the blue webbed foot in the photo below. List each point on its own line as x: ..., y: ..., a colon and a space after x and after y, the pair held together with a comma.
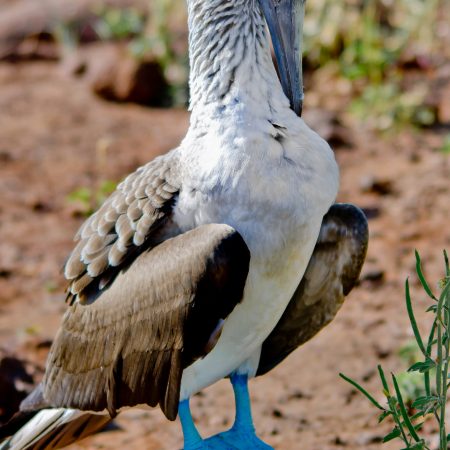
x: 237, y: 440
x: 242, y: 435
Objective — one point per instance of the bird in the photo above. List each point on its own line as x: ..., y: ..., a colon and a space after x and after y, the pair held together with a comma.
x: 215, y: 260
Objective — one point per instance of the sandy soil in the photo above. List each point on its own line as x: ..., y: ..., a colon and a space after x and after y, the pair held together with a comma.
x: 57, y: 137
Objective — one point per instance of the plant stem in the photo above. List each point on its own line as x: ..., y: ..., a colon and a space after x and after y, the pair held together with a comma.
x: 398, y: 422
x: 442, y: 428
x: 442, y: 363
x: 426, y: 377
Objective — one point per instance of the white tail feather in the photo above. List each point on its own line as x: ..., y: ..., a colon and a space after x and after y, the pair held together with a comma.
x: 54, y: 428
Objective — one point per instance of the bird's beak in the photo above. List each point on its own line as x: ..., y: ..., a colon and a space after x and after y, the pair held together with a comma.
x: 285, y: 21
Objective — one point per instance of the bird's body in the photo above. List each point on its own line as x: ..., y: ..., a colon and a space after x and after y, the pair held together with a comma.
x: 253, y: 165
x: 182, y: 275
x: 257, y: 185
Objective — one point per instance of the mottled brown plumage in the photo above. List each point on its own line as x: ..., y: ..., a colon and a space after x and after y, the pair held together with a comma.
x: 332, y: 272
x: 132, y: 343
x: 125, y: 225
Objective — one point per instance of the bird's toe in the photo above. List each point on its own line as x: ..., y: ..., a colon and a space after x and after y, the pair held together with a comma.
x: 237, y: 440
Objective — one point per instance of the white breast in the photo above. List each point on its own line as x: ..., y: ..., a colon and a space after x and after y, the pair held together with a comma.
x: 275, y: 195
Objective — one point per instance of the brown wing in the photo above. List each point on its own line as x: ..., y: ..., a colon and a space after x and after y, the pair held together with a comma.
x: 125, y: 225
x: 132, y: 343
x: 332, y: 272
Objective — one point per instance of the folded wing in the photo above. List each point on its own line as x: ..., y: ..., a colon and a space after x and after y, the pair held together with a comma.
x: 143, y: 304
x: 331, y: 274
x: 131, y: 344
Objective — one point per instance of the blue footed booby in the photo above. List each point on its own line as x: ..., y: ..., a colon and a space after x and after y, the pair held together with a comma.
x: 215, y: 260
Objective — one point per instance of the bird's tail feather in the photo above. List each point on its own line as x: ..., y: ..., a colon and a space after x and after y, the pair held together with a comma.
x: 55, y: 428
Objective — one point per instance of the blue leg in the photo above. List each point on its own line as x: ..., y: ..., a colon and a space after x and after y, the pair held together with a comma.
x: 241, y: 435
x: 192, y: 438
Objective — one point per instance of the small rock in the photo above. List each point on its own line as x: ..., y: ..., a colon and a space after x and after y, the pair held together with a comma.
x: 415, y: 157
x: 376, y: 185
x: 339, y: 441
x: 350, y: 395
x: 35, y: 48
x: 410, y: 235
x: 382, y: 351
x: 368, y: 438
x: 277, y: 413
x: 299, y: 395
x: 116, y: 75
x: 327, y: 125
x: 374, y: 276
x: 41, y: 206
x: 369, y: 375
x: 5, y: 273
x: 5, y: 156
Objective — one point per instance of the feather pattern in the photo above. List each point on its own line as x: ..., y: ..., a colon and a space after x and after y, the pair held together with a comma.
x: 55, y: 428
x: 131, y: 344
x: 123, y: 227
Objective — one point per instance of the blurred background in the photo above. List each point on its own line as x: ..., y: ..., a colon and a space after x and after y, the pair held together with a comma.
x: 92, y: 89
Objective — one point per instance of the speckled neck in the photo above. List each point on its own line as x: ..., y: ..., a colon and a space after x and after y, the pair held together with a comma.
x: 229, y: 54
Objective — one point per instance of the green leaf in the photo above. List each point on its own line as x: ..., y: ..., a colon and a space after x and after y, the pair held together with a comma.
x: 362, y: 390
x: 419, y: 402
x: 425, y: 405
x: 412, y: 320
x: 395, y: 433
x: 383, y: 381
x: 422, y: 366
x: 383, y: 416
x: 431, y: 342
x: 416, y: 416
x: 403, y: 411
x: 422, y: 278
x: 417, y: 446
x: 444, y: 292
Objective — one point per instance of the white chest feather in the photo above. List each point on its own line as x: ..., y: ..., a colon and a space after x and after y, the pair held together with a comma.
x: 274, y: 192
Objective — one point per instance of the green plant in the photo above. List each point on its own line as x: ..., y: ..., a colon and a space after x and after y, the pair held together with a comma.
x: 433, y: 368
x: 370, y: 40
x: 164, y: 39
x: 445, y: 148
x: 117, y: 24
x: 410, y: 383
x: 390, y: 106
x: 88, y: 199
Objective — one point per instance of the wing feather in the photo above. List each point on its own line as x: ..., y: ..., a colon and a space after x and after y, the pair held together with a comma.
x: 123, y: 227
x: 131, y: 344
